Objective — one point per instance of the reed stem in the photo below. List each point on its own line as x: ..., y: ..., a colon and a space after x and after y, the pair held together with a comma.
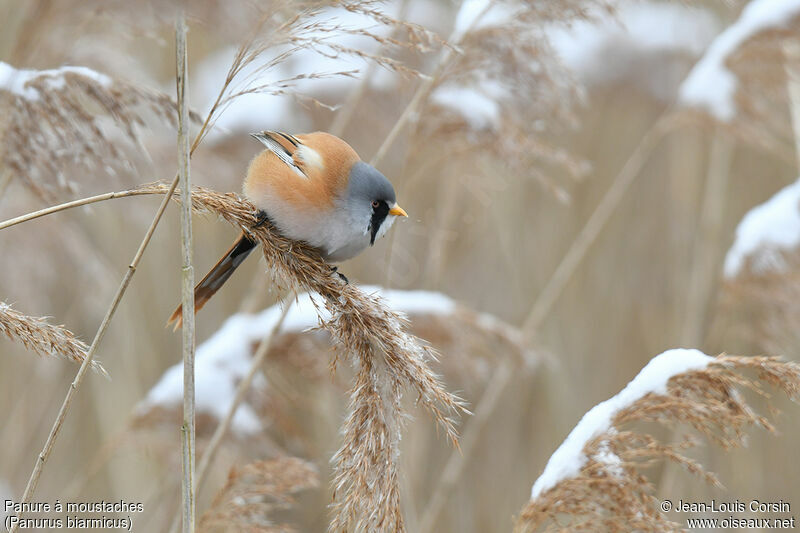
x: 187, y: 287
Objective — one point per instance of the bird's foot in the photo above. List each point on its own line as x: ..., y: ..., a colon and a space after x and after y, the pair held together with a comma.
x: 261, y: 219
x: 335, y: 270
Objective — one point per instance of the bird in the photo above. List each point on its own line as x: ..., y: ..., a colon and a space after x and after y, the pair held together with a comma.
x: 314, y: 188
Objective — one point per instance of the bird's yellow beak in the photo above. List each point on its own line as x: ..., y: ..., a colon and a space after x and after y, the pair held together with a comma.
x: 398, y: 211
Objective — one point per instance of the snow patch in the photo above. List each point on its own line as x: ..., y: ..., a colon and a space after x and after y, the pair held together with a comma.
x: 224, y: 359
x: 710, y: 85
x: 16, y: 81
x: 478, y: 106
x: 604, y: 50
x: 765, y: 231
x: 623, y: 45
x: 479, y: 14
x: 569, y: 458
x: 612, y: 462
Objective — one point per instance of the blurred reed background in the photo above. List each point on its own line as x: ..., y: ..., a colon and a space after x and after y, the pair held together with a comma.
x: 591, y: 130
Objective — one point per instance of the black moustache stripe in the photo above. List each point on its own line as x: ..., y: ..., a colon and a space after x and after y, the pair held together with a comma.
x: 379, y: 214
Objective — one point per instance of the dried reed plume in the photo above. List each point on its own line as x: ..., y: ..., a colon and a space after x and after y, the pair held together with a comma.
x: 479, y: 339
x: 311, y: 30
x: 255, y: 491
x: 56, y: 123
x: 385, y: 356
x: 761, y: 307
x: 758, y: 68
x: 762, y: 97
x: 45, y: 339
x: 509, y: 67
x: 610, y: 493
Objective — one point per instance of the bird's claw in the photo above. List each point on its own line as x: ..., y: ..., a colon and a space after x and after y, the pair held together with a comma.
x: 341, y: 276
x: 261, y: 219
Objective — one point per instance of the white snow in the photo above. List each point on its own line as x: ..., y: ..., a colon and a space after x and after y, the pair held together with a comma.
x: 220, y: 363
x: 612, y: 462
x: 603, y: 50
x: 765, y: 231
x: 15, y: 80
x: 478, y: 106
x: 569, y: 458
x: 225, y: 358
x: 479, y: 14
x: 634, y: 43
x: 710, y: 85
x: 466, y: 17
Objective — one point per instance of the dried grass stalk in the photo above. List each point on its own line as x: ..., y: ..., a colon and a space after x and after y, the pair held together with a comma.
x: 611, y: 494
x: 386, y: 358
x: 316, y: 29
x: 57, y: 120
x: 256, y: 490
x: 762, y: 107
x: 188, y: 489
x: 47, y: 340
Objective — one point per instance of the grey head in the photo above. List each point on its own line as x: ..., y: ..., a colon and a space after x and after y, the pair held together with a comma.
x: 371, y: 201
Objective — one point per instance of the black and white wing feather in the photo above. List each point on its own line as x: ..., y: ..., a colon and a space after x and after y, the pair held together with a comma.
x: 270, y: 140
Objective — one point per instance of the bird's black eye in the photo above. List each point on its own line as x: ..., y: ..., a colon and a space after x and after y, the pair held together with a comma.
x: 375, y: 203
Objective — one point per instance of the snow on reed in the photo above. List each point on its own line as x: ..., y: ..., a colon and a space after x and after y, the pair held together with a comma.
x: 225, y: 358
x: 332, y: 46
x: 627, y: 43
x: 17, y: 81
x: 479, y: 14
x: 569, y: 458
x: 635, y: 35
x: 63, y: 120
x: 479, y: 106
x: 766, y: 231
x: 598, y: 479
x: 711, y: 86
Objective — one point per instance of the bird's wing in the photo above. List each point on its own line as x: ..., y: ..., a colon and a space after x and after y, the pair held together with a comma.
x: 284, y: 146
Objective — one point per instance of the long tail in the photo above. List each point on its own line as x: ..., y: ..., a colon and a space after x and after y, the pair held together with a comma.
x: 216, y: 277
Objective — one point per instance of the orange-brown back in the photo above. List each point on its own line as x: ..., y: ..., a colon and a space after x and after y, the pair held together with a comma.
x: 325, y: 160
